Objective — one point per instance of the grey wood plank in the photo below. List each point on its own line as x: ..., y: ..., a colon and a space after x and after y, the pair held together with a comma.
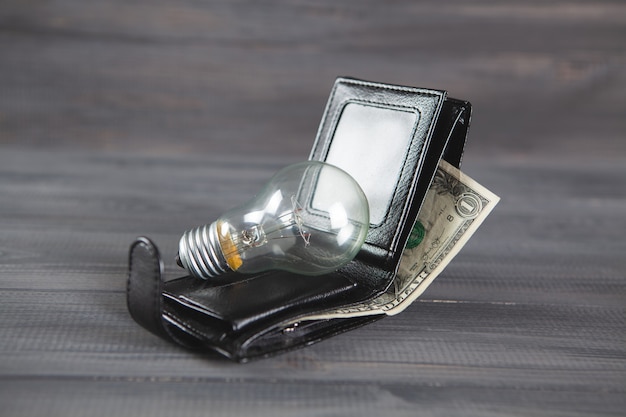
x: 126, y: 118
x: 184, y: 79
x: 514, y: 327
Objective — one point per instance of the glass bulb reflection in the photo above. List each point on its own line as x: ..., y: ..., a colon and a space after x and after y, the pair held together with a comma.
x: 311, y: 219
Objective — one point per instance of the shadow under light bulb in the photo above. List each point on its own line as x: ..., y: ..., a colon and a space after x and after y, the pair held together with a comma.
x: 310, y: 219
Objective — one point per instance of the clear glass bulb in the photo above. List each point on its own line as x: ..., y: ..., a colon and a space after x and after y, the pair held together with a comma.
x: 311, y: 219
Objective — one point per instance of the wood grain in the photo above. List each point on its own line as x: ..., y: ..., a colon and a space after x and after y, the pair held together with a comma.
x: 121, y: 119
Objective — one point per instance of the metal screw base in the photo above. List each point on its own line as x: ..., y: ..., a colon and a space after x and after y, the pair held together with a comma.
x: 199, y: 252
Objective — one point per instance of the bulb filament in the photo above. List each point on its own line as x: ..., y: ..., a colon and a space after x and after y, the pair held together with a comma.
x: 234, y: 245
x: 297, y: 208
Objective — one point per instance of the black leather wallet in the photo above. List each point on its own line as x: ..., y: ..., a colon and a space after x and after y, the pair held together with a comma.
x: 390, y: 139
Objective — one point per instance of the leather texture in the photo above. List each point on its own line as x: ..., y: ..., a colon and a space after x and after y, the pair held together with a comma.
x: 245, y: 317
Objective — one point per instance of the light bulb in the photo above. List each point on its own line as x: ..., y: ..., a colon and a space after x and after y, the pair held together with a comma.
x: 310, y: 219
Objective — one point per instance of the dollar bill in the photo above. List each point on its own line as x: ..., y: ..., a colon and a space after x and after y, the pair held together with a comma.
x: 454, y: 207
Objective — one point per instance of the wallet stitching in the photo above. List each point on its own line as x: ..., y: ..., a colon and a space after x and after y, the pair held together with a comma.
x: 420, y: 91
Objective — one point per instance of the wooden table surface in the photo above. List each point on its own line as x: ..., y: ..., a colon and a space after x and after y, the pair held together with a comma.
x: 120, y: 119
